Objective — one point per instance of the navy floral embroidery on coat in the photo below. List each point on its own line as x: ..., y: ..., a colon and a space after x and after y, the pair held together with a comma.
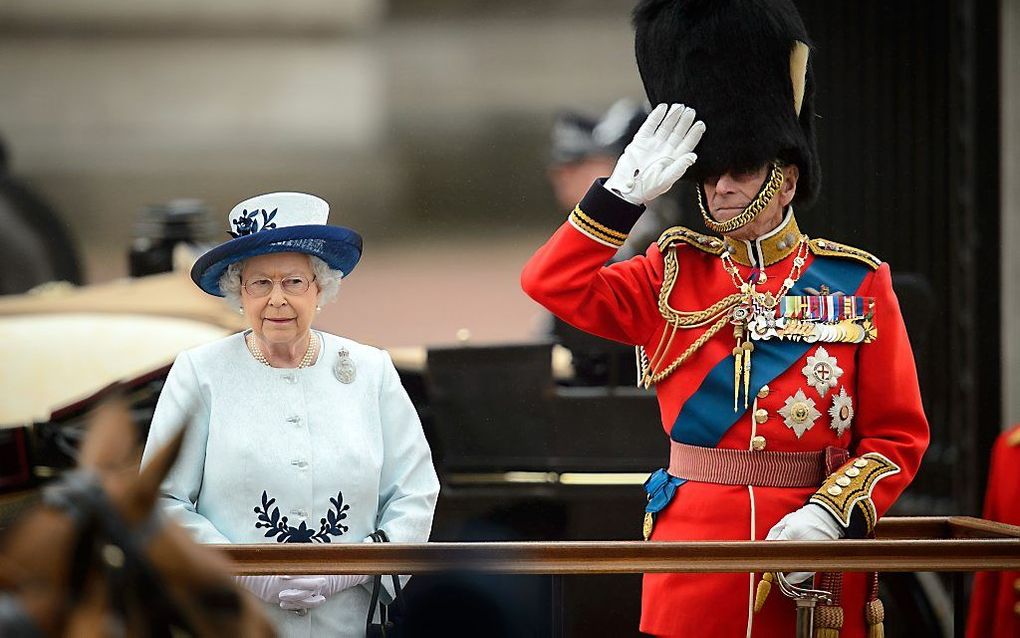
x: 248, y: 223
x: 277, y: 526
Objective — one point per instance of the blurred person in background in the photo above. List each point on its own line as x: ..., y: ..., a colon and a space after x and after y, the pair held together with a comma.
x: 36, y: 245
x: 995, y: 599
x: 295, y: 435
x: 582, y: 150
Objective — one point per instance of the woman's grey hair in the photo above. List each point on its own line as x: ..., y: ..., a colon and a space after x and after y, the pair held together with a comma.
x: 326, y: 278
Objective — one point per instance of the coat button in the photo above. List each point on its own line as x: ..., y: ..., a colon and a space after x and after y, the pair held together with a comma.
x: 835, y: 490
x: 299, y: 463
x: 861, y: 463
x: 764, y: 392
x: 295, y: 419
x: 843, y: 481
x: 1016, y: 585
x: 299, y: 513
x: 761, y: 415
x: 758, y: 443
x: 852, y: 472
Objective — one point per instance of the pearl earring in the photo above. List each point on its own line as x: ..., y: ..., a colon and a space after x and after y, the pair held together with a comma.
x: 240, y: 310
x: 318, y: 308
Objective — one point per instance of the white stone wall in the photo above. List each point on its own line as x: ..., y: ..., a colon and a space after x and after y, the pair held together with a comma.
x: 110, y: 106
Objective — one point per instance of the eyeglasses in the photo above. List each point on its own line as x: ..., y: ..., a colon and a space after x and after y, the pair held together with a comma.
x: 290, y: 285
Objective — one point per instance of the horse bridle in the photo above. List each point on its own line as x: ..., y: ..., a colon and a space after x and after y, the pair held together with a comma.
x: 103, y: 538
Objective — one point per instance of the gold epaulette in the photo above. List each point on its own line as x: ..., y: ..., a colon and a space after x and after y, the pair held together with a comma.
x: 835, y: 249
x: 1013, y: 437
x: 706, y: 243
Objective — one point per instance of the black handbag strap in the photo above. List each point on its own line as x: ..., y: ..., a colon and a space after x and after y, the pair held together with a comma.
x: 380, y: 629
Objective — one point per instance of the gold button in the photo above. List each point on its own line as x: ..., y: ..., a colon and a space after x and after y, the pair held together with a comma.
x: 761, y: 415
x: 852, y: 472
x: 843, y: 481
x: 764, y: 392
x: 835, y: 490
x: 861, y: 463
x: 1016, y: 584
x: 1016, y: 609
x: 758, y: 443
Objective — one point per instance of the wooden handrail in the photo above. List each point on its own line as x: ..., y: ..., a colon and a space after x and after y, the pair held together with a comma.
x: 906, y: 544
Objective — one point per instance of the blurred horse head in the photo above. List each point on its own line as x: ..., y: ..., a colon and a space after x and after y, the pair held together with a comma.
x: 96, y: 558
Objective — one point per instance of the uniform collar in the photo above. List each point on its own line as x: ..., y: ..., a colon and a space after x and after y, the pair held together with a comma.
x: 772, y: 247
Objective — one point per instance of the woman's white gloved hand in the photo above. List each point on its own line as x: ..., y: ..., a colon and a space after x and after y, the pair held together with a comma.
x: 302, y: 598
x: 809, y: 523
x: 290, y: 592
x: 659, y: 155
x: 303, y: 592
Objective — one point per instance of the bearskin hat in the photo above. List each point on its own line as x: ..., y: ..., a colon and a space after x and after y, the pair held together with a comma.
x: 743, y: 66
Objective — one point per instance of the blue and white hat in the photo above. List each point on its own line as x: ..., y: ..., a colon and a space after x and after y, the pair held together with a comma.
x: 278, y: 223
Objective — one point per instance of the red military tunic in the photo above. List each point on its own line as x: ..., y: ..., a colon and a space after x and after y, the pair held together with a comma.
x: 621, y: 302
x: 995, y: 600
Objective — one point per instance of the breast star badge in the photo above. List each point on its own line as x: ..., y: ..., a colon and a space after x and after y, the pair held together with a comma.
x: 822, y: 371
x: 841, y: 411
x: 799, y: 413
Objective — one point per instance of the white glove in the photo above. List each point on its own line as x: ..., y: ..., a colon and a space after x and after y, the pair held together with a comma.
x: 658, y: 156
x: 295, y: 599
x: 809, y: 523
x: 290, y: 592
x: 336, y: 583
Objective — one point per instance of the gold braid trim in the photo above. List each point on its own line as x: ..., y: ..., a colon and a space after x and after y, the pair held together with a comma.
x: 851, y: 486
x: 599, y: 231
x: 649, y: 380
x: 651, y: 372
x: 682, y: 318
x: 768, y: 190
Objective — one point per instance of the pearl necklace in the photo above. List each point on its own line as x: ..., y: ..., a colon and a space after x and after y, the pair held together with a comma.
x: 306, y: 360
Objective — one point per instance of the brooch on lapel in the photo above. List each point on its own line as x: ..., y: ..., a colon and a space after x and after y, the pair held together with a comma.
x: 344, y: 369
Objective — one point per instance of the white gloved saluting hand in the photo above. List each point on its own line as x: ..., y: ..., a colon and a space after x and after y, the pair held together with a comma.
x: 659, y: 155
x: 809, y: 523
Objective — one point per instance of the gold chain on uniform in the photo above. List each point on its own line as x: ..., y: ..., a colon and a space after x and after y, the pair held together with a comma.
x: 749, y: 298
x: 682, y: 319
x: 719, y: 312
x: 768, y: 191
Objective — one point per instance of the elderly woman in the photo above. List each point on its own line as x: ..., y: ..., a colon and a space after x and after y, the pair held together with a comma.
x: 296, y: 435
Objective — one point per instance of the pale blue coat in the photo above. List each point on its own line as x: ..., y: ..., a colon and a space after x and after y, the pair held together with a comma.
x: 337, y: 460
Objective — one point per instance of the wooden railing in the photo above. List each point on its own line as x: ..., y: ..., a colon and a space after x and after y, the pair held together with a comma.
x: 950, y: 544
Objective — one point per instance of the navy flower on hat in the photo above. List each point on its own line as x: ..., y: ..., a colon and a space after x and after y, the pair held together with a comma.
x: 248, y: 222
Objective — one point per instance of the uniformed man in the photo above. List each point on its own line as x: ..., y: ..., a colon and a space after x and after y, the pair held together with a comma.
x: 782, y: 367
x: 995, y: 600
